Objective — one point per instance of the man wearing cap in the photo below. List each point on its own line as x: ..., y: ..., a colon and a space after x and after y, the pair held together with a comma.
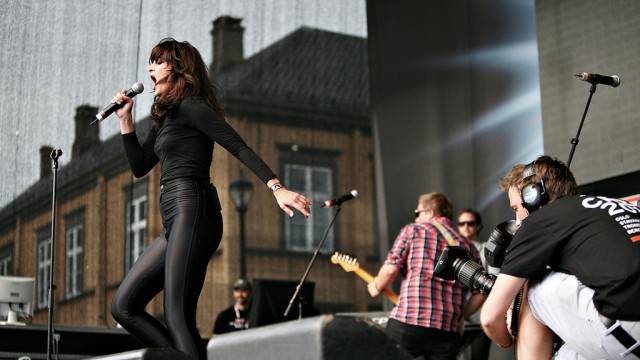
x: 235, y: 317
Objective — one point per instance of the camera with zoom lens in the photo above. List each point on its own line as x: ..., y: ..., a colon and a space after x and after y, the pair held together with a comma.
x: 498, y: 242
x: 455, y: 262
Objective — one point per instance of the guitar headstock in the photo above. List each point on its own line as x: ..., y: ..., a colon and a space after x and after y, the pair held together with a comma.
x: 347, y: 262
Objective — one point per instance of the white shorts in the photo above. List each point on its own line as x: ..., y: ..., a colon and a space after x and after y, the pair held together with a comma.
x: 565, y: 305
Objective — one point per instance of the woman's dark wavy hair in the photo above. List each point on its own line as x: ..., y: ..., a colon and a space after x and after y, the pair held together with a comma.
x: 189, y: 75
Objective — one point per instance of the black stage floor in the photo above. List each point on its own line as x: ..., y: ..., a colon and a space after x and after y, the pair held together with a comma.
x: 75, y: 342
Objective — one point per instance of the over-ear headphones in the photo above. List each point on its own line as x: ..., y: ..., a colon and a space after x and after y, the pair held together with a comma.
x: 533, y: 195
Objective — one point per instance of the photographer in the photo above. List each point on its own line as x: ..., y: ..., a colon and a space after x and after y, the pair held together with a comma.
x: 581, y: 255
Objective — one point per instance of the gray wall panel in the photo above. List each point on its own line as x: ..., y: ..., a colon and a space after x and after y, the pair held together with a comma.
x: 456, y: 102
x: 600, y: 37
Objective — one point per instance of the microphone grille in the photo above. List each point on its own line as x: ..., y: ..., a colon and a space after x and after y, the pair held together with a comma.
x: 137, y: 88
x: 616, y: 80
x: 354, y: 193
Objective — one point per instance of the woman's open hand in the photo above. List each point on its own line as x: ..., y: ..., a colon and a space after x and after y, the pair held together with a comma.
x: 287, y: 198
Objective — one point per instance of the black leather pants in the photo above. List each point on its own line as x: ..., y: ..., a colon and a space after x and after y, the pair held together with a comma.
x: 175, y: 262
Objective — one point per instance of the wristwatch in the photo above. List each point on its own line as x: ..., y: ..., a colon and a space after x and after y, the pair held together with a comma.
x: 276, y: 186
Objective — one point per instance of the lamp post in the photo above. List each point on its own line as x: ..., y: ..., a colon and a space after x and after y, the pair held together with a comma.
x: 241, y: 190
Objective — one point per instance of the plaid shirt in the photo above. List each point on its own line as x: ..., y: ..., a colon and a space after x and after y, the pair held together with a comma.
x: 427, y: 300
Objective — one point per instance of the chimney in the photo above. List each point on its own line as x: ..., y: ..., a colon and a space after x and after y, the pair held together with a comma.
x: 45, y: 161
x: 227, y: 36
x: 87, y: 135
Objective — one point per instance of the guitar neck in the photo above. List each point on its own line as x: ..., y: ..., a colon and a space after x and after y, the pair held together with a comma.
x: 368, y: 278
x: 364, y: 275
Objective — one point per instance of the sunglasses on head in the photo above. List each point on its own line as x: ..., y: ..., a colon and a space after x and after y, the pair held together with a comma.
x: 464, y: 223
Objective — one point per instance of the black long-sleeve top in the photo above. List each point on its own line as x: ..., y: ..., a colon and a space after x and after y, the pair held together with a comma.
x: 184, y: 145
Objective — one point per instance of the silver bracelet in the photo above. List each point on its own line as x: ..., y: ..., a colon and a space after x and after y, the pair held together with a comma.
x: 276, y: 186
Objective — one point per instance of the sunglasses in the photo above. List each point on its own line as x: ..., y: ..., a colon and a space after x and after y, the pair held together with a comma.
x: 464, y: 223
x: 418, y: 211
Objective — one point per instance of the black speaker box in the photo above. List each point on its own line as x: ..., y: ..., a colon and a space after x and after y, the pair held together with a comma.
x: 271, y: 298
x: 319, y: 337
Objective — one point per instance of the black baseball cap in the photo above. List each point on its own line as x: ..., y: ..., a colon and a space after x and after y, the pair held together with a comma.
x: 242, y: 284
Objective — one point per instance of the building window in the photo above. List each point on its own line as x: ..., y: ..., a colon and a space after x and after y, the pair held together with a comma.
x: 136, y: 211
x: 74, y: 254
x: 311, y: 173
x: 6, y: 257
x: 44, y: 266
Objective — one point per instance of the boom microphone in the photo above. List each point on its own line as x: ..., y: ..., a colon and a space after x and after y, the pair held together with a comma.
x: 136, y: 89
x: 612, y: 80
x: 337, y: 202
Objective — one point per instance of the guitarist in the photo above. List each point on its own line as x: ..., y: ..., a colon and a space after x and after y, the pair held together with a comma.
x: 429, y: 315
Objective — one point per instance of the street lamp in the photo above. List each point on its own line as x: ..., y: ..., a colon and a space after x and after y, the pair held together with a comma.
x: 241, y: 190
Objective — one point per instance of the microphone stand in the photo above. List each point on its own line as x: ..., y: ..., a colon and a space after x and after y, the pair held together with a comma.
x: 306, y: 273
x: 575, y: 140
x: 55, y: 154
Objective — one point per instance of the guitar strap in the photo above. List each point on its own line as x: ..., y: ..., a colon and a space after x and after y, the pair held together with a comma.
x: 443, y: 230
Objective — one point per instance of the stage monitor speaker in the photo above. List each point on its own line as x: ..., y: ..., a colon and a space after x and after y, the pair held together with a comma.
x: 315, y: 338
x: 146, y: 354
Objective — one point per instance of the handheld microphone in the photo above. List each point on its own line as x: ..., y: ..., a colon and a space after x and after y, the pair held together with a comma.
x: 337, y: 202
x: 613, y: 80
x: 136, y: 89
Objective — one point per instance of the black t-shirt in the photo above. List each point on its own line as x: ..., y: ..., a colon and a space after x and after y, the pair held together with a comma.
x: 184, y: 145
x: 228, y: 321
x: 595, y: 238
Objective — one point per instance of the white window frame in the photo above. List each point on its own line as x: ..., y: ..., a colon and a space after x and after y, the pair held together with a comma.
x: 44, y: 268
x: 6, y: 259
x: 74, y: 256
x: 136, y: 228
x: 317, y: 223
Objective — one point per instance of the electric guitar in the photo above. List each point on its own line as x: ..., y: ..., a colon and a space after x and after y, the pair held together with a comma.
x: 350, y: 264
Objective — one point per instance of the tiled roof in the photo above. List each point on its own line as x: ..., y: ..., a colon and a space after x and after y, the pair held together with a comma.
x: 82, y: 171
x: 309, y: 68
